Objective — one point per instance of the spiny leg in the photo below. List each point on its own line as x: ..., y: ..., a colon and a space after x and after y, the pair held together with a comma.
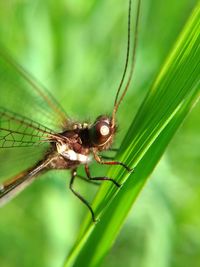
x: 87, y: 180
x: 99, y: 178
x: 99, y: 160
x: 85, y: 202
x: 109, y: 157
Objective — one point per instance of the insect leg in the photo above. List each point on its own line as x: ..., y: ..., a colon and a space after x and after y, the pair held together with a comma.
x: 85, y: 202
x: 110, y: 157
x: 99, y: 160
x: 99, y: 178
x: 86, y: 180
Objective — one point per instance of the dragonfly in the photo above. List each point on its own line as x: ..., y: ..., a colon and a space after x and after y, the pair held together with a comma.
x: 62, y: 142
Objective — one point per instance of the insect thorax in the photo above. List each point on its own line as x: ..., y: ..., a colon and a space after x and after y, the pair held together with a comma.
x: 70, y: 154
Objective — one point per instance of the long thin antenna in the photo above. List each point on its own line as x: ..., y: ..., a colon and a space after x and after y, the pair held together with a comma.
x: 117, y: 102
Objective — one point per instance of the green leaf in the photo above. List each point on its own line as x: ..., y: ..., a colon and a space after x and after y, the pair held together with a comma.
x: 168, y: 102
x: 172, y: 96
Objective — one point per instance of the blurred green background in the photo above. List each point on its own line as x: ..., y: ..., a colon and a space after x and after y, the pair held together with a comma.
x: 76, y: 48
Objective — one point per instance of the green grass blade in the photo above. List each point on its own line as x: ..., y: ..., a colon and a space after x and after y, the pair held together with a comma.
x: 170, y: 99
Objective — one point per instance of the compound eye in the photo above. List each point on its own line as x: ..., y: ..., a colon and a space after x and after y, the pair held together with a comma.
x: 104, y: 129
x: 100, y: 133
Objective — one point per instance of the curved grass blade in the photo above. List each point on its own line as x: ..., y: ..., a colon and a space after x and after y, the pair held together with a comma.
x: 172, y: 96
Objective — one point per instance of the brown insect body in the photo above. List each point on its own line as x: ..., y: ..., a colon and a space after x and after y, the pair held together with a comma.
x: 77, y: 144
x: 98, y: 135
x: 68, y: 150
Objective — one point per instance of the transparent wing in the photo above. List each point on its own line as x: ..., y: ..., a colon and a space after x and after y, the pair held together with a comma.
x: 25, y: 107
x: 29, y: 141
x: 16, y: 160
x: 22, y: 94
x: 19, y: 131
x: 14, y: 186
